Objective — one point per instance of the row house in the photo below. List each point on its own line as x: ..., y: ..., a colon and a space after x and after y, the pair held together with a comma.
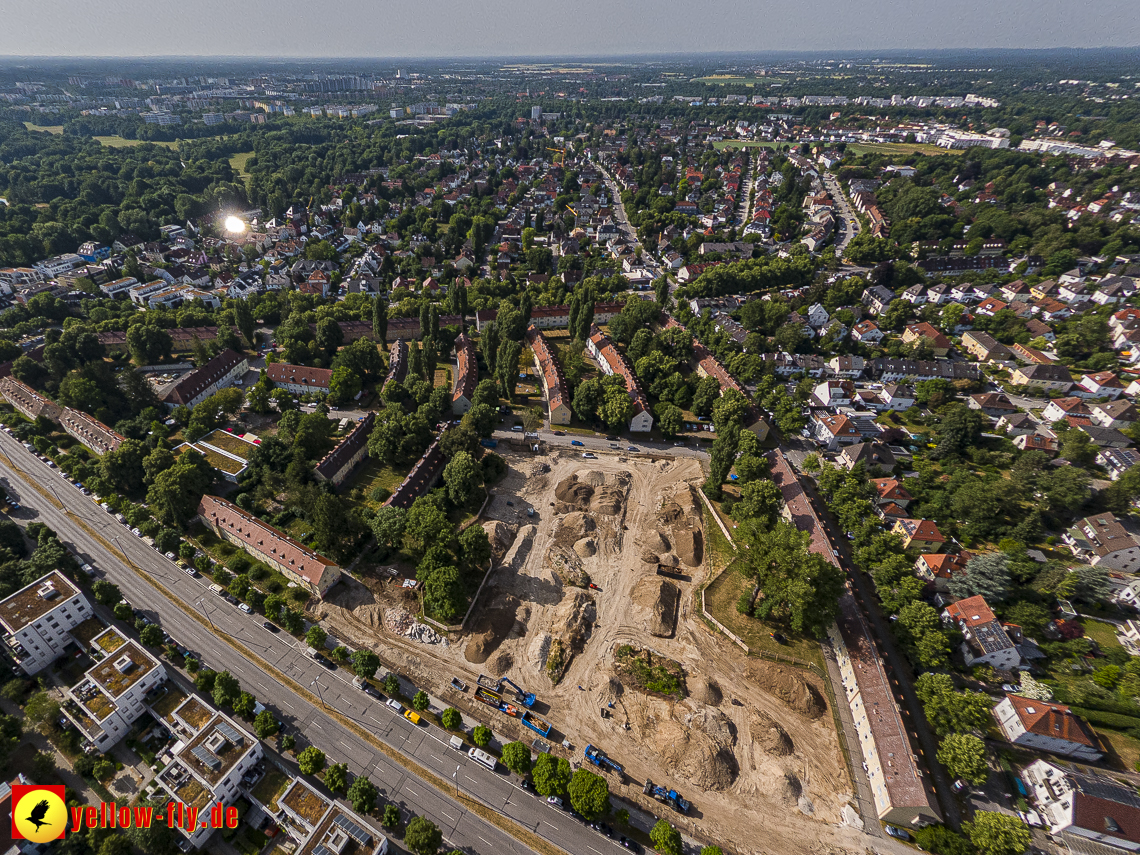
x: 613, y: 362
x: 466, y: 375
x: 984, y: 347
x: 27, y: 401
x: 338, y: 464
x: 94, y: 435
x: 893, y: 370
x: 219, y: 373
x: 553, y: 380
x: 299, y: 379
x: 420, y: 479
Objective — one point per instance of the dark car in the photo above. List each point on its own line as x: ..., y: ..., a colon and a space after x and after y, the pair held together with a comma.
x: 231, y: 599
x: 897, y: 833
x: 325, y: 661
x: 272, y: 627
x: 631, y: 845
x: 369, y: 689
x: 606, y: 830
x: 525, y: 784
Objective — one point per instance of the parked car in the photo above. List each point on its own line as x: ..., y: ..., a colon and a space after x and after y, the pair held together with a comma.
x: 577, y: 442
x: 554, y: 801
x: 395, y: 706
x: 272, y: 627
x: 897, y: 833
x: 245, y: 607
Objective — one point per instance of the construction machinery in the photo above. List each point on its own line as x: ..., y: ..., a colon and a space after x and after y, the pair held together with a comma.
x: 524, y: 698
x: 599, y: 758
x: 558, y: 151
x: 491, y: 699
x: 670, y: 797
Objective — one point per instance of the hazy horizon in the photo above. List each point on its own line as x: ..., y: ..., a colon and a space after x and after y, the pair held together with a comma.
x: 291, y: 29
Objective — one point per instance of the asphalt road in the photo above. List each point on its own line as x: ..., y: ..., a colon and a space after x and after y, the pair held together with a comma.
x: 850, y: 221
x: 427, y: 746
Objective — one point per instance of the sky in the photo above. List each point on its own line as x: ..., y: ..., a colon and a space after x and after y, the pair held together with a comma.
x: 500, y: 28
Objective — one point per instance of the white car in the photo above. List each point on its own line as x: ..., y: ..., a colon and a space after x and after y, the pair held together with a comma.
x: 246, y: 608
x: 395, y: 706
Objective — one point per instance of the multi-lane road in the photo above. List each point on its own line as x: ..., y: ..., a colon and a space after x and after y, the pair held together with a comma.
x: 231, y: 640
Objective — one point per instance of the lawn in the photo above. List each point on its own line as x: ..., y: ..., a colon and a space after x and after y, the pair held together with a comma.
x: 1104, y: 634
x: 720, y: 600
x: 373, y: 474
x: 116, y: 141
x: 898, y: 149
x: 1121, y: 750
x: 49, y: 129
x: 270, y: 787
x: 238, y: 162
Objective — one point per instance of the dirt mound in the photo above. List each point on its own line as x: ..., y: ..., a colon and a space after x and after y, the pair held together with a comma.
x: 669, y: 561
x: 780, y: 784
x: 687, y: 499
x: 656, y: 542
x: 649, y: 557
x: 700, y: 750
x: 789, y: 686
x: 689, y: 544
x: 573, y: 527
x: 608, y: 501
x: 706, y: 691
x: 570, y: 491
x: 567, y: 566
x: 592, y: 477
x: 495, y: 624
x: 501, y: 663
x: 501, y: 535
x: 655, y: 606
x: 768, y: 736
x: 586, y: 547
x: 669, y: 513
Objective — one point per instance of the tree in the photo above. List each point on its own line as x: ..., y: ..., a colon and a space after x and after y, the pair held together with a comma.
x: 42, y: 711
x: 426, y: 525
x: 391, y: 816
x: 451, y: 719
x: 670, y: 419
x: 959, y: 429
x: 336, y: 777
x: 423, y: 837
x: 151, y: 635
x: 462, y: 477
x: 388, y: 525
x: 311, y: 760
x: 243, y: 317
x: 987, y: 575
x: 707, y: 391
x: 760, y: 501
x: 589, y: 794
x: 949, y: 710
x: 711, y: 850
x: 474, y: 546
x: 964, y: 756
x: 106, y: 593
x: 174, y: 495
x: 288, y: 741
x: 362, y: 795
x: 329, y: 336
x: 365, y: 663
x: 516, y: 757
x: 124, y: 467
x: 481, y: 735
x: 226, y: 689
x: 265, y: 725
x: 551, y: 775
x: 391, y: 684
x: 316, y: 637
x: 420, y: 701
x: 943, y: 841
x: 997, y: 833
x: 666, y: 839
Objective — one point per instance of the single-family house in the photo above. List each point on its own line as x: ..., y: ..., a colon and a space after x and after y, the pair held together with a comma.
x: 984, y: 639
x: 923, y: 535
x: 1046, y: 726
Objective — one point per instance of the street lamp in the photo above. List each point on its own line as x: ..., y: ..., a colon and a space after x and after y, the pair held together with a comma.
x: 317, y: 682
x: 456, y: 777
x: 207, y: 614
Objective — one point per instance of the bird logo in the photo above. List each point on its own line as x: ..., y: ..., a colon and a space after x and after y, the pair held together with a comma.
x: 38, y: 813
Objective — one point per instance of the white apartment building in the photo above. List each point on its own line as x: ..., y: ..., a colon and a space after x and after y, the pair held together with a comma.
x: 53, y: 267
x: 1045, y: 726
x: 119, y: 286
x: 112, y: 694
x: 321, y: 827
x: 37, y: 620
x: 212, y: 762
x: 1089, y: 814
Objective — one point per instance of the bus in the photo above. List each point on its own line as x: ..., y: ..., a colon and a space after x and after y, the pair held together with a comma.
x: 482, y: 757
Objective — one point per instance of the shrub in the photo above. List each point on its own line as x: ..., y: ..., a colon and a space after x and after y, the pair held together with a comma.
x: 481, y: 735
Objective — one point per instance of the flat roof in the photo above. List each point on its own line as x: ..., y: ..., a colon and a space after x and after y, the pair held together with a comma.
x: 114, y: 675
x: 32, y: 602
x: 216, y: 748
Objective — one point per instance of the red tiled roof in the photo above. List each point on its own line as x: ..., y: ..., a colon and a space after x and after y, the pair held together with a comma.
x: 283, y: 372
x: 467, y: 375
x: 1046, y: 718
x: 890, y: 488
x: 973, y: 611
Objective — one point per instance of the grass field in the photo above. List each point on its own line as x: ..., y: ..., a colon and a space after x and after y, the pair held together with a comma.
x: 899, y: 149
x: 117, y: 141
x: 238, y: 162
x: 50, y: 129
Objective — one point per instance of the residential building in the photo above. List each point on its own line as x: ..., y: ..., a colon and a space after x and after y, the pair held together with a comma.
x: 1045, y: 726
x: 266, y: 543
x: 939, y: 344
x: 1103, y: 384
x: 1087, y: 813
x: 37, y: 619
x: 210, y: 764
x: 397, y: 362
x: 466, y: 375
x: 420, y: 479
x: 1059, y: 408
x: 552, y: 317
x: 323, y: 827
x: 877, y: 299
x: 985, y: 641
x: 338, y: 464
x: 1114, y: 414
x: 90, y: 431
x: 1016, y: 424
x: 111, y: 695
x: 984, y: 347
x: 941, y: 567
x: 867, y: 332
x: 1044, y: 377
x: 27, y: 401
x: 119, y: 287
x: 923, y: 535
x: 891, y: 490
x: 217, y: 374
x: 896, y: 397
x: 1037, y: 442
x: 876, y: 457
x: 612, y: 362
x: 834, y: 430
x: 553, y: 380
x: 994, y: 404
x: 1117, y: 460
x: 1105, y: 540
x: 1105, y: 437
x: 299, y: 379
x: 1030, y: 354
x: 895, y: 370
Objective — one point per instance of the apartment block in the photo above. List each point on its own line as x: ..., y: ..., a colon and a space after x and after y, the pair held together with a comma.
x: 38, y: 618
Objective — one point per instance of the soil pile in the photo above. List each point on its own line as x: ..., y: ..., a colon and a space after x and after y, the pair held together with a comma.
x: 700, y: 749
x: 593, y: 477
x: 768, y: 736
x: 573, y: 527
x: 681, y: 515
x: 655, y: 606
x: 780, y: 784
x: 650, y: 557
x: 500, y: 664
x: 789, y: 686
x: 689, y: 544
x: 495, y: 624
x: 500, y: 535
x: 571, y: 494
x: 566, y: 564
x: 656, y: 542
x: 706, y: 691
x: 608, y: 501
x: 586, y: 547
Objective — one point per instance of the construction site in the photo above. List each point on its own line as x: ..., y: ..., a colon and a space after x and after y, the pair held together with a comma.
x: 587, y: 640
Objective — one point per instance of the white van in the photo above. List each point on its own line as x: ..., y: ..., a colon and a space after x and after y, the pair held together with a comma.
x: 456, y: 742
x: 482, y: 757
x: 218, y: 589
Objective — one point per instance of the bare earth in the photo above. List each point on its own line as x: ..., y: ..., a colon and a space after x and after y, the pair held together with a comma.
x: 752, y: 743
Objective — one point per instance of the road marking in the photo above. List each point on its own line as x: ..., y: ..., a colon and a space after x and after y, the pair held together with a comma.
x: 484, y: 839
x: 449, y: 816
x: 413, y: 792
x: 286, y: 703
x: 592, y: 849
x: 317, y: 725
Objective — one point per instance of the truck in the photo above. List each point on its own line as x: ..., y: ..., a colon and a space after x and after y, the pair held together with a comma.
x: 600, y: 759
x: 539, y: 725
x: 489, y: 443
x: 491, y: 699
x: 663, y: 794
